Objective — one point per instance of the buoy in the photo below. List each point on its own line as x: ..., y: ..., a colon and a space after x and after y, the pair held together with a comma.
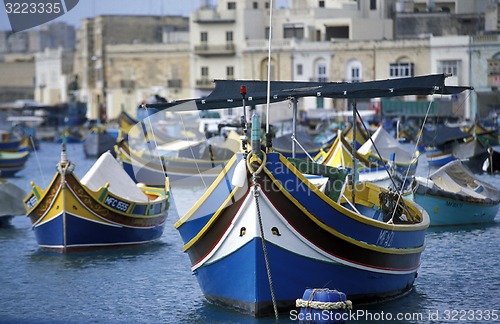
x: 322, y: 305
x: 240, y: 174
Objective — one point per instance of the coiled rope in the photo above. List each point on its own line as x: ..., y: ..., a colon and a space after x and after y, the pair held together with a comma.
x: 314, y: 304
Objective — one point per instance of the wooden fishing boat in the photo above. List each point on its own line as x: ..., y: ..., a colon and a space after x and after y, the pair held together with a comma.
x: 9, y: 141
x: 263, y: 232
x: 452, y: 195
x: 184, y: 162
x: 439, y: 142
x: 126, y: 121
x: 105, y: 209
x: 11, y: 202
x: 97, y: 141
x: 71, y: 135
x: 390, y: 152
x: 340, y: 155
x: 12, y: 162
x: 471, y: 152
x: 309, y: 145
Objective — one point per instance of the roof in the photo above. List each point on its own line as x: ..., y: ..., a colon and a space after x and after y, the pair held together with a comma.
x: 227, y: 93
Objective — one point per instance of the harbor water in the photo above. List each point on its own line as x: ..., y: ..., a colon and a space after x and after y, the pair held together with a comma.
x: 459, y: 279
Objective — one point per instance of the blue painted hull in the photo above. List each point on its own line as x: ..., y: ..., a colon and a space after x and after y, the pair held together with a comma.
x: 245, y: 282
x: 310, y: 242
x: 437, y: 157
x: 444, y: 211
x: 81, y: 233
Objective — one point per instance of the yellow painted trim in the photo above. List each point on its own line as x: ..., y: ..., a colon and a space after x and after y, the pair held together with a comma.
x: 207, y: 193
x: 342, y: 236
x: 40, y: 191
x: 207, y: 226
x: 343, y: 210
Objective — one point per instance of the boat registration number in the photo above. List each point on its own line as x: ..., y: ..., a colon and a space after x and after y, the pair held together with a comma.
x: 31, y: 202
x: 116, y: 204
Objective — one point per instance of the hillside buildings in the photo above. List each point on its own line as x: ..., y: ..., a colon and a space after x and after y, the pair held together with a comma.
x: 120, y: 61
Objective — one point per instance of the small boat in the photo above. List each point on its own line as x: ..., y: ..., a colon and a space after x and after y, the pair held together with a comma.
x: 452, y: 195
x: 262, y: 232
x: 12, y: 162
x: 70, y: 135
x: 97, y: 141
x: 392, y: 153
x: 11, y: 202
x: 126, y: 121
x: 9, y: 141
x: 492, y: 162
x: 340, y: 155
x: 185, y: 162
x: 471, y: 152
x: 307, y: 144
x: 439, y: 142
x: 105, y: 209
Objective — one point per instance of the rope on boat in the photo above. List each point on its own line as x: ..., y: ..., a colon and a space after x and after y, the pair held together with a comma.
x: 314, y: 304
x: 256, y: 195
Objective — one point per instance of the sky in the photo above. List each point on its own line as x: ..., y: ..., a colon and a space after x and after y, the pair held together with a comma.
x: 92, y: 8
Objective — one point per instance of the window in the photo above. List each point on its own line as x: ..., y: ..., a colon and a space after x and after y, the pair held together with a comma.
x: 204, y: 37
x: 401, y: 70
x: 355, y: 75
x: 267, y: 5
x: 229, y: 36
x: 255, y: 5
x: 293, y: 31
x: 373, y: 4
x: 231, y: 5
x: 448, y: 67
x: 321, y: 73
x: 321, y: 4
x: 353, y: 71
x: 300, y: 69
x: 204, y: 72
x: 230, y: 72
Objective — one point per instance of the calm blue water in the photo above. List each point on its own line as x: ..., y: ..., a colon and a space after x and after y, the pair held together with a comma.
x: 154, y: 284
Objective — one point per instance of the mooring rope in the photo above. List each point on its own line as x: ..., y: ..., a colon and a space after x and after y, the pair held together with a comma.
x: 256, y: 195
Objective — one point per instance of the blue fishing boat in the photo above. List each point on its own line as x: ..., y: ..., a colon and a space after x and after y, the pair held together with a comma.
x: 70, y: 135
x: 452, y: 195
x: 183, y: 161
x: 263, y: 232
x: 105, y: 209
x: 439, y: 142
x: 9, y: 141
x: 12, y: 162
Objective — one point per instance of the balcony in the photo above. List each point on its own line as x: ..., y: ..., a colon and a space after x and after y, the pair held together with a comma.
x: 205, y: 84
x: 210, y: 16
x: 212, y: 50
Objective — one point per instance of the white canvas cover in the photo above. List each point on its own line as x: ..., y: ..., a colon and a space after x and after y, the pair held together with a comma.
x: 107, y: 169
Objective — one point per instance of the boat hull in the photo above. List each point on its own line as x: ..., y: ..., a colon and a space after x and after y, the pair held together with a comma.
x: 67, y: 217
x: 444, y: 211
x: 309, y: 242
x: 246, y: 285
x: 12, y: 162
x: 438, y: 157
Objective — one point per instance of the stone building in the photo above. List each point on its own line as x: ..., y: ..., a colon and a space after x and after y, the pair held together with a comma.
x: 91, y: 59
